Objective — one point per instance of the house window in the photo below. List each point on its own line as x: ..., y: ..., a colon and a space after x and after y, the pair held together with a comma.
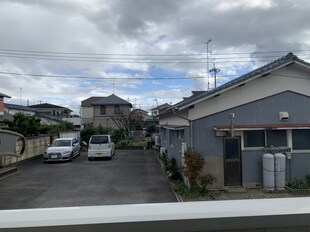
x: 117, y: 109
x: 301, y: 139
x: 171, y: 137
x: 164, y: 131
x: 103, y: 110
x: 180, y: 134
x: 255, y: 138
x: 276, y: 138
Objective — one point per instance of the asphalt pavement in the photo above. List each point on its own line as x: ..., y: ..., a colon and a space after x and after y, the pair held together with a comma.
x: 131, y: 177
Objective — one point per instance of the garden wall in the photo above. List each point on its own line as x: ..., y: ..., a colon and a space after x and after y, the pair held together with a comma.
x: 35, y: 147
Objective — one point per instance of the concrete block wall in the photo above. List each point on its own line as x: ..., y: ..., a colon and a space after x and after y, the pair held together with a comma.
x: 34, y: 147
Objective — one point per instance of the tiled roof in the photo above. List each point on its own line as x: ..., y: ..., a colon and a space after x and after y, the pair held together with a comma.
x: 89, y: 101
x: 264, y: 70
x: 48, y: 106
x: 52, y: 117
x: 18, y: 107
x: 112, y: 100
x: 4, y: 95
x: 166, y: 105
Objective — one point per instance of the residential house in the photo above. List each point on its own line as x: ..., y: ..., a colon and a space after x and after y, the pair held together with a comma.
x: 2, y: 96
x: 12, y: 109
x: 159, y: 109
x: 50, y: 109
x: 141, y: 113
x: 2, y: 113
x: 87, y: 110
x: 232, y: 126
x: 102, y: 110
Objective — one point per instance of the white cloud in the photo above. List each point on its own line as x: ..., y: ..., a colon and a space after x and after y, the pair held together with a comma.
x: 140, y: 27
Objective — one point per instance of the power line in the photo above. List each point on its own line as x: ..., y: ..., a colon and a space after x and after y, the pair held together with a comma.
x: 178, y: 61
x: 123, y: 54
x: 100, y: 78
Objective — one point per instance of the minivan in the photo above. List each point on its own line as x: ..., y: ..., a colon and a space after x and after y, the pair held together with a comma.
x: 100, y: 146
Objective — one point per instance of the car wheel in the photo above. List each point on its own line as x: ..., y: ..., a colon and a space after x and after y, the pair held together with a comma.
x: 90, y: 159
x: 71, y: 157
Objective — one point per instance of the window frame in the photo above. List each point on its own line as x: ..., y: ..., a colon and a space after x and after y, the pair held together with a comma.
x: 253, y: 148
x: 292, y: 142
x: 117, y: 109
x: 103, y: 112
x: 180, y: 134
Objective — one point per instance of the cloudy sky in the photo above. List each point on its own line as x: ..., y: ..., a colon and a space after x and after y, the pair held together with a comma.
x: 64, y: 51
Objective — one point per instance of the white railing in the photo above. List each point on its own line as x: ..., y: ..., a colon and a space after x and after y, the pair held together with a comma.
x: 253, y: 215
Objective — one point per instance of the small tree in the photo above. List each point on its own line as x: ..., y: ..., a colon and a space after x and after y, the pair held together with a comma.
x: 24, y: 124
x: 128, y: 122
x: 193, y: 165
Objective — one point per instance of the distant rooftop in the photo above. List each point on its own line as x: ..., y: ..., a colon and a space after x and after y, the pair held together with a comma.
x: 111, y: 100
x: 48, y: 106
x: 4, y: 95
x: 19, y: 107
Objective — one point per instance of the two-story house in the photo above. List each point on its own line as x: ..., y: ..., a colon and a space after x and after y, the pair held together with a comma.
x: 2, y: 96
x: 50, y: 109
x: 102, y: 110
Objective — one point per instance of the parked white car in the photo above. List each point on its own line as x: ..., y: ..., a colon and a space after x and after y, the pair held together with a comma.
x: 100, y: 146
x: 62, y: 149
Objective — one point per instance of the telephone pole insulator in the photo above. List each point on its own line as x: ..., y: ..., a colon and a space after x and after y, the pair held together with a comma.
x: 215, y: 71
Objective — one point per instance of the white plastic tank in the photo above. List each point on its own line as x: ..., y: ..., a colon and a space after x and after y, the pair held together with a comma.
x: 280, y: 171
x: 268, y: 172
x: 156, y: 140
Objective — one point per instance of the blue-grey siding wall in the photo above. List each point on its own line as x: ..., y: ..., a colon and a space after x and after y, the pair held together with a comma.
x: 175, y: 150
x: 264, y: 111
x: 252, y: 166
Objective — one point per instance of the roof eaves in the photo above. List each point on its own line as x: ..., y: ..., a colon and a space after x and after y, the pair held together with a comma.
x: 261, y: 71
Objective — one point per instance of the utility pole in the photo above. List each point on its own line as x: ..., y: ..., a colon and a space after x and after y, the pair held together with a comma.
x: 215, y: 71
x: 156, y: 102
x: 208, y: 62
x: 20, y: 96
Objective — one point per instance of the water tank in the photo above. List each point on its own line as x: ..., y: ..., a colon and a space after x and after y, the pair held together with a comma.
x: 280, y: 171
x: 156, y: 140
x: 268, y: 172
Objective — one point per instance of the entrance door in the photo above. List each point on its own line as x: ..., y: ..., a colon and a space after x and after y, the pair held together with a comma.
x: 232, y: 161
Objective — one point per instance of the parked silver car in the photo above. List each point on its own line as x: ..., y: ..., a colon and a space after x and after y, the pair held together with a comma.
x: 62, y: 149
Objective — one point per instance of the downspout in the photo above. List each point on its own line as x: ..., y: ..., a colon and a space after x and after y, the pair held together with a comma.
x: 191, y: 134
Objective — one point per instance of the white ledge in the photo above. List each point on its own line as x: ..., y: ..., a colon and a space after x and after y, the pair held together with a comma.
x: 205, y: 215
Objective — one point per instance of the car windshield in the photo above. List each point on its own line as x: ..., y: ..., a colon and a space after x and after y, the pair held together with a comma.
x: 99, y: 139
x: 61, y: 143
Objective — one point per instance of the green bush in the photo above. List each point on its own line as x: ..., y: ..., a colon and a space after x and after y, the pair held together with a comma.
x: 122, y: 144
x: 300, y: 184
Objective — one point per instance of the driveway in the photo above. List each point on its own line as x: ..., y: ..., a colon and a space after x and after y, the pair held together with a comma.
x: 131, y: 177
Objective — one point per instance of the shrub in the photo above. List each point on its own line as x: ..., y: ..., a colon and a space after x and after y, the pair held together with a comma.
x: 193, y: 165
x: 122, y: 144
x: 300, y: 184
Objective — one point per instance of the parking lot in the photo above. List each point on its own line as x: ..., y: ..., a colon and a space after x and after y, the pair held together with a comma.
x: 130, y: 177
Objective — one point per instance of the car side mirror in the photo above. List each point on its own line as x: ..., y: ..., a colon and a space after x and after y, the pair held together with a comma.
x: 8, y: 142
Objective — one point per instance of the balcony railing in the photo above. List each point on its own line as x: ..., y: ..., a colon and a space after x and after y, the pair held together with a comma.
x: 283, y: 214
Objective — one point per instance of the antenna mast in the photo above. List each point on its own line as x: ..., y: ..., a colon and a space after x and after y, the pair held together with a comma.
x: 208, y: 62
